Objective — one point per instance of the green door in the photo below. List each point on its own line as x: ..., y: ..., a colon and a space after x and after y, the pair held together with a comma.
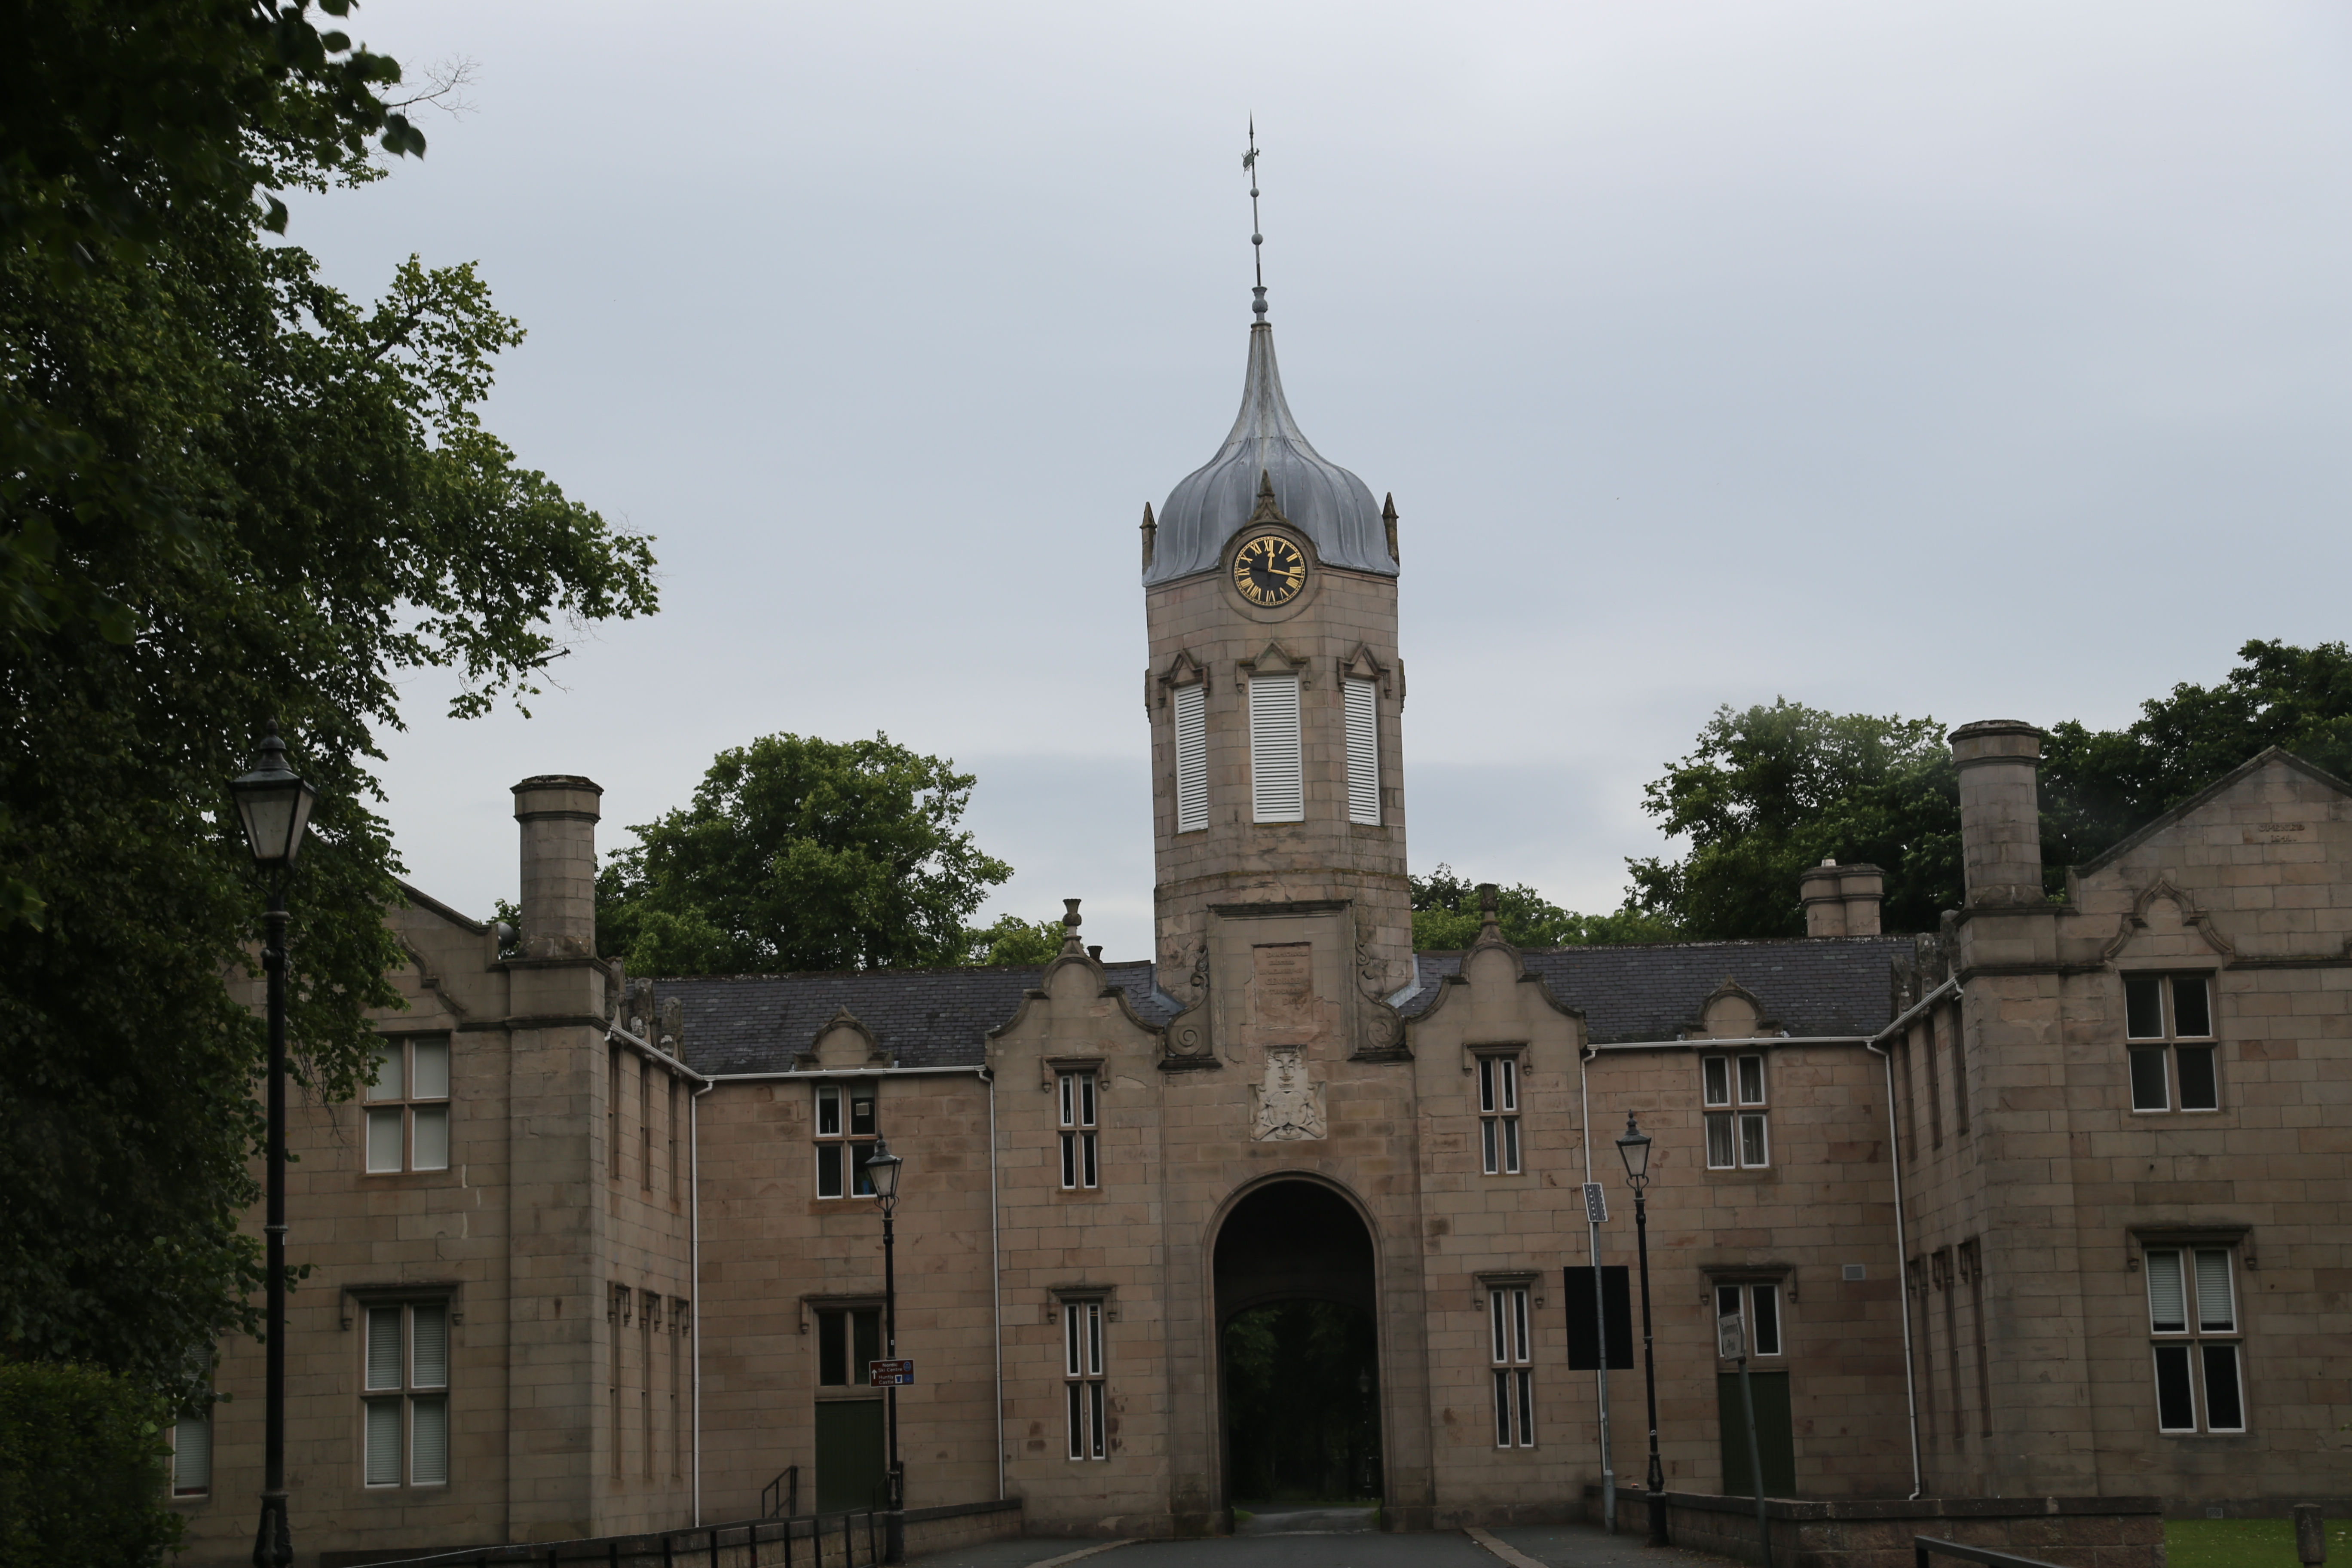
x: 849, y: 1454
x: 1776, y: 1439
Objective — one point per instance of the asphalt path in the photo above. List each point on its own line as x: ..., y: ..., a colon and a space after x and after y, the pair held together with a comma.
x: 1554, y: 1546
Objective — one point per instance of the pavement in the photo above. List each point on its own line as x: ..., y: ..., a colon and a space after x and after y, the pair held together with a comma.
x: 1336, y: 1538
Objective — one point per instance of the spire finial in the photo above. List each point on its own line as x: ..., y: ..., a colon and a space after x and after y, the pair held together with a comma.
x: 1257, y: 239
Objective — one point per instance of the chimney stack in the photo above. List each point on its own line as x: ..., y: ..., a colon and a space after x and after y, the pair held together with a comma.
x: 2000, y: 815
x: 1843, y: 901
x: 559, y: 813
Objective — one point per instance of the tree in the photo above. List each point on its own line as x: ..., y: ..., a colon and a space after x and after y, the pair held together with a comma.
x: 800, y: 853
x: 1014, y: 941
x: 1773, y: 790
x: 1445, y: 918
x: 231, y: 495
x: 1776, y: 789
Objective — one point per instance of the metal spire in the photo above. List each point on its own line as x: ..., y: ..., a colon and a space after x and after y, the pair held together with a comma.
x: 1257, y: 240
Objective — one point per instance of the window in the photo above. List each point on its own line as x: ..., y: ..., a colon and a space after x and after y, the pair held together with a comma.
x: 618, y: 1301
x: 1757, y: 1308
x: 1736, y: 1135
x: 2192, y: 1311
x: 677, y: 1320
x: 2162, y: 1014
x: 646, y: 1125
x: 408, y: 1106
x: 846, y: 1339
x: 1514, y: 1376
x: 844, y: 1137
x: 1363, y: 753
x: 648, y: 1322
x: 1192, y: 758
x: 192, y: 1455
x: 1080, y: 1169
x: 1277, y: 793
x: 1499, y: 1114
x: 1082, y: 1373
x: 404, y: 1407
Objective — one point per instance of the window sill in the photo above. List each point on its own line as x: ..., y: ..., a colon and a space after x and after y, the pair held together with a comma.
x: 1743, y: 1173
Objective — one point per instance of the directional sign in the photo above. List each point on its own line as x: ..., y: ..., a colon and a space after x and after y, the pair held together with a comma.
x: 881, y: 1373
x: 1596, y: 1203
x: 1727, y: 1337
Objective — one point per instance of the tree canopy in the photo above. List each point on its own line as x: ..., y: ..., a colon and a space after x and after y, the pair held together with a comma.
x: 1776, y: 788
x: 802, y: 854
x: 1445, y: 918
x: 231, y: 495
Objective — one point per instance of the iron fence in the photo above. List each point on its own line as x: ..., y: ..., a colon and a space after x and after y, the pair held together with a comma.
x: 809, y: 1540
x: 1922, y: 1546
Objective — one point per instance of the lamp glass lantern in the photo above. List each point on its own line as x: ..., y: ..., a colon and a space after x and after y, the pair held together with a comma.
x: 273, y: 802
x: 883, y: 1167
x: 1634, y: 1148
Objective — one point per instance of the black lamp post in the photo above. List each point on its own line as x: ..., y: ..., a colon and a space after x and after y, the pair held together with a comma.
x: 884, y: 1166
x: 1635, y: 1148
x: 274, y: 806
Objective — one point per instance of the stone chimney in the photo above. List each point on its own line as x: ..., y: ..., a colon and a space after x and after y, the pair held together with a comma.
x: 559, y: 813
x: 2001, y: 817
x: 1843, y: 901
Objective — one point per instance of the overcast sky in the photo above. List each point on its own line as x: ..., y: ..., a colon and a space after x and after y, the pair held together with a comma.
x: 1977, y: 360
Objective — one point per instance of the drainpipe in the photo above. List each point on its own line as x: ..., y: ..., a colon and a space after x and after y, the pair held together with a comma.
x: 996, y: 1279
x: 1902, y: 1247
x: 694, y: 1270
x: 1599, y: 1306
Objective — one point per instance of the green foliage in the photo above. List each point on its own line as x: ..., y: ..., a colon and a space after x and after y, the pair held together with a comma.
x: 82, y: 1459
x: 1302, y: 1403
x: 2242, y: 1542
x: 1445, y: 918
x: 1014, y: 941
x: 1776, y: 789
x: 230, y: 494
x: 799, y: 854
x: 1769, y: 792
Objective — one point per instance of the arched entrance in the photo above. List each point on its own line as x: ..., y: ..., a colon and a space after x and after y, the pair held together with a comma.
x: 1297, y: 1342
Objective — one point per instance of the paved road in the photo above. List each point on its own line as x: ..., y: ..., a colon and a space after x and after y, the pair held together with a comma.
x: 1557, y: 1546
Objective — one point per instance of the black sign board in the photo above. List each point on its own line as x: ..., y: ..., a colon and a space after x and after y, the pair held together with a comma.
x: 1583, y: 1328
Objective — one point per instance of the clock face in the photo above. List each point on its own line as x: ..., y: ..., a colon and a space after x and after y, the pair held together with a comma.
x: 1269, y: 570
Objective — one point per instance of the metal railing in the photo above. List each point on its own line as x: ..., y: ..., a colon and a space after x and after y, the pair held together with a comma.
x: 808, y: 1541
x: 1923, y: 1546
x: 781, y: 1498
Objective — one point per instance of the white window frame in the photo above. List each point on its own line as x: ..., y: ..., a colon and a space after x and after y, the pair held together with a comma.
x: 2165, y: 1048
x: 405, y: 1349
x: 404, y: 1122
x: 1499, y: 1138
x: 838, y: 1146
x: 1077, y: 1096
x: 1737, y: 1106
x: 2196, y: 1314
x: 1362, y: 703
x: 1086, y: 1395
x: 1511, y: 1345
x: 1277, y: 771
x: 1191, y: 708
x: 192, y: 1456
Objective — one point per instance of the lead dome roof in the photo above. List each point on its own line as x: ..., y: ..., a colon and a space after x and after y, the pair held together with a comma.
x: 1323, y: 500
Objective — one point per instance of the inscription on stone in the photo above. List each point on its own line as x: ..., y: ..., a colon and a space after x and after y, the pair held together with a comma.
x: 1283, y: 1008
x: 2279, y: 833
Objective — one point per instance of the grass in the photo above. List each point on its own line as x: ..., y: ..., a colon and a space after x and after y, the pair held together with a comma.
x: 2245, y: 1543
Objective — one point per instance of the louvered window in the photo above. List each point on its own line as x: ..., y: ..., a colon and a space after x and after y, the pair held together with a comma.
x: 1277, y: 793
x: 1082, y: 1373
x: 1363, y: 754
x: 2192, y: 1310
x: 404, y: 1420
x: 1192, y: 758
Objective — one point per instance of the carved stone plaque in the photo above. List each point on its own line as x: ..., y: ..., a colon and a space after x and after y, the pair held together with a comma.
x: 1287, y: 1106
x: 1283, y: 1009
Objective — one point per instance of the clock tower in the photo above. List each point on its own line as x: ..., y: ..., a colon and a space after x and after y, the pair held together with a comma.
x: 1275, y: 694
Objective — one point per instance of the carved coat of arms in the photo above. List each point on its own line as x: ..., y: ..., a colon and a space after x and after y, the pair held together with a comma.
x: 1288, y: 1107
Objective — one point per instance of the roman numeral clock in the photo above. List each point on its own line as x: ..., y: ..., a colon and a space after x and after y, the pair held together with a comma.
x: 1269, y: 570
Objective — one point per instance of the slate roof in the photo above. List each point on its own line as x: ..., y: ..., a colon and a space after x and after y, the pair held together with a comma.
x: 1808, y: 985
x: 923, y: 1017
x: 940, y: 1017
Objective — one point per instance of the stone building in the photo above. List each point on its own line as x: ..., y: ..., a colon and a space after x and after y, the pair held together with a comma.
x: 2049, y: 1201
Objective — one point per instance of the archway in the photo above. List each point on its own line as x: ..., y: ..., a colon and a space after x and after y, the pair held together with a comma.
x: 1297, y: 1340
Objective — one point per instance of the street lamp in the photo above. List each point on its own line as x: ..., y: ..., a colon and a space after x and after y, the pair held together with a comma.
x: 273, y: 803
x: 1634, y: 1147
x: 883, y: 1167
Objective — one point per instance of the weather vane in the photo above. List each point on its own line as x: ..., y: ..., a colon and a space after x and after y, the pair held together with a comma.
x: 1257, y: 240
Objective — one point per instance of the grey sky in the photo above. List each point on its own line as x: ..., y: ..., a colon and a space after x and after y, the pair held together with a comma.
x: 1980, y: 360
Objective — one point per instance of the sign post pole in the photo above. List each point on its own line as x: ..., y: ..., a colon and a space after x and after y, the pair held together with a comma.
x: 1732, y: 1343
x: 1596, y: 1212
